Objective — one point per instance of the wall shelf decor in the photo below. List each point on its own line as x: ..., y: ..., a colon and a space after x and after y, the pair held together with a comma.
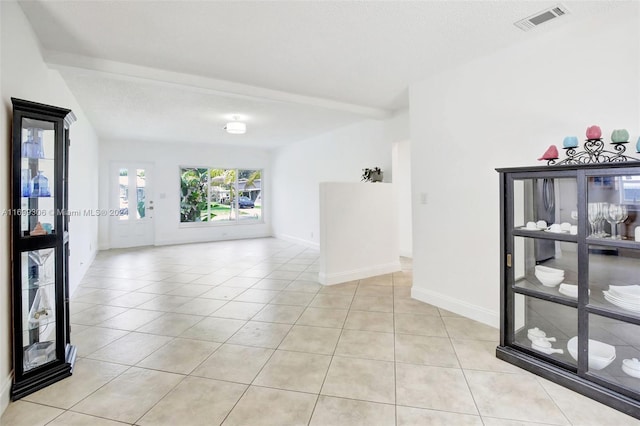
x: 42, y: 353
x: 570, y: 294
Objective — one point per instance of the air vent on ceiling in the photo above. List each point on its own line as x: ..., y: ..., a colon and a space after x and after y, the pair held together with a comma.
x: 542, y: 17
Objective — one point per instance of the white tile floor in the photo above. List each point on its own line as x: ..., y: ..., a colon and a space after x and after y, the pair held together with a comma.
x: 240, y: 333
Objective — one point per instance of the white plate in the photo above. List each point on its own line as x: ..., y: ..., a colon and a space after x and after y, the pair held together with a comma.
x: 623, y: 300
x: 630, y: 371
x: 626, y: 291
x: 556, y: 232
x: 617, y: 302
x: 530, y: 229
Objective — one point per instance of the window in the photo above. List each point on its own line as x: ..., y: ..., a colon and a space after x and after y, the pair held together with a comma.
x: 220, y: 195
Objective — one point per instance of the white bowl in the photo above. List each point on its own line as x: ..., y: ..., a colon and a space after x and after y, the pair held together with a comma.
x: 569, y: 290
x: 600, y: 354
x: 548, y: 270
x: 549, y: 281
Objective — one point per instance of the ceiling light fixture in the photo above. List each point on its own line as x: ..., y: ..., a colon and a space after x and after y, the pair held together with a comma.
x: 236, y: 127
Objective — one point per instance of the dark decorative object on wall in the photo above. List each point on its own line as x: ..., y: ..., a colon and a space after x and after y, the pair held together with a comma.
x: 372, y: 175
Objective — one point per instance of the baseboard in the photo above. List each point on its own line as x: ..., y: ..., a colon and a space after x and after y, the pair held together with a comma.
x: 406, y: 253
x: 296, y: 240
x: 73, y: 285
x: 209, y: 239
x: 460, y: 307
x: 5, y: 393
x: 358, y: 274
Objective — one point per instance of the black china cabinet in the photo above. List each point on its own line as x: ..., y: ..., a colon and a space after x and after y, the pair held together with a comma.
x: 42, y: 353
x: 570, y: 277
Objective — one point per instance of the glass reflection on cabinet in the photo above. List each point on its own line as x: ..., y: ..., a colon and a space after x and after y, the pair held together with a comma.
x: 555, y: 275
x: 613, y: 279
x: 614, y: 351
x: 613, y: 203
x: 545, y: 327
x: 38, y: 307
x: 540, y: 203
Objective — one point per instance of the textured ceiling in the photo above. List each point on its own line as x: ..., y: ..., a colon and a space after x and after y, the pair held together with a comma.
x: 362, y: 53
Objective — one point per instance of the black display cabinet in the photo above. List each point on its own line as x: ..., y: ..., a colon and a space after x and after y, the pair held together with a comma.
x: 42, y: 353
x: 570, y: 293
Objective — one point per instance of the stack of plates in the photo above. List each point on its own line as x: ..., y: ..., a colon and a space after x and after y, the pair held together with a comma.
x: 569, y: 290
x: 627, y: 297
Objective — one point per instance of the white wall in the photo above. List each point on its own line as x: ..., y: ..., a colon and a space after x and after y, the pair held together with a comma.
x: 339, y: 155
x: 401, y: 159
x: 26, y: 76
x: 358, y: 231
x: 500, y: 111
x: 167, y: 160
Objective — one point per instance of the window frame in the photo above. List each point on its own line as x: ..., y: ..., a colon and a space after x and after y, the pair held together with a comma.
x: 236, y: 206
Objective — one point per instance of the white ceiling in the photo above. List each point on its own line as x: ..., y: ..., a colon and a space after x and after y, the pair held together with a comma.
x: 172, y: 70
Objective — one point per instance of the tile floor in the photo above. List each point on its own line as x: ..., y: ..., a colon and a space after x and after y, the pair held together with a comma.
x: 240, y: 333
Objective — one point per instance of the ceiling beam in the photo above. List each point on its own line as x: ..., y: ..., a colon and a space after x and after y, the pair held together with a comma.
x: 121, y: 70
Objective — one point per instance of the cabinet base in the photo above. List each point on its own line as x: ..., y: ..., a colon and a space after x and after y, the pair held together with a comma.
x: 46, y: 378
x: 569, y: 380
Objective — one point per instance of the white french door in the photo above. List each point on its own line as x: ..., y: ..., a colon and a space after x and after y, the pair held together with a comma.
x: 132, y: 198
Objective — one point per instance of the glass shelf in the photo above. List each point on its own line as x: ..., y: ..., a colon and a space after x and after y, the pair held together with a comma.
x: 38, y: 354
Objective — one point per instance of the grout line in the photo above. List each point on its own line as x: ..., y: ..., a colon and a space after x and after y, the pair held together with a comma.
x: 395, y: 363
x: 333, y: 355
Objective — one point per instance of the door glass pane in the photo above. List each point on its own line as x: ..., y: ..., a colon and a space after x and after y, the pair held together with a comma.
x: 614, y: 351
x: 613, y: 278
x: 249, y: 191
x: 545, y: 327
x: 123, y: 193
x: 555, y: 275
x: 37, y: 177
x: 140, y: 193
x: 223, y: 195
x: 540, y: 203
x: 194, y: 193
x: 38, y: 307
x: 613, y: 206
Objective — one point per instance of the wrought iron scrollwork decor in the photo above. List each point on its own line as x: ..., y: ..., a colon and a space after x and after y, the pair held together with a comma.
x: 594, y: 152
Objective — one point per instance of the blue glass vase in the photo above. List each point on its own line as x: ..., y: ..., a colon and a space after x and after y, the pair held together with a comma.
x: 25, y: 182
x: 40, y: 185
x: 39, y: 145
x: 33, y: 147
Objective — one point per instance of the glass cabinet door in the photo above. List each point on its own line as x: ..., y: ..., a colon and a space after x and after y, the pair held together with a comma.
x: 543, y: 266
x: 38, y: 307
x: 37, y: 177
x: 613, y: 347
